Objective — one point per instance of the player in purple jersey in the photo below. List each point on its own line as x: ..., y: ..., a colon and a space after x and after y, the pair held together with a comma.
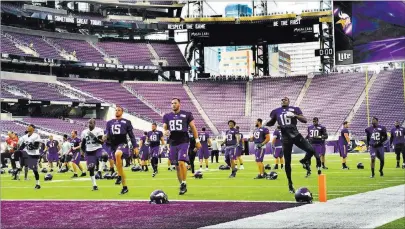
x: 76, y: 155
x: 317, y: 135
x: 155, y: 139
x: 176, y: 125
x: 278, y: 148
x: 117, y: 131
x: 232, y: 141
x: 203, y: 153
x: 144, y: 151
x: 343, y: 143
x: 286, y: 116
x: 376, y: 136
x: 397, y: 140
x: 52, y: 147
x: 261, y: 136
x: 239, y: 150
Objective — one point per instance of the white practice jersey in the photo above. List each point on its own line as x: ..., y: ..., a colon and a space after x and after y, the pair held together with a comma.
x: 90, y: 138
x: 66, y: 147
x: 29, y: 142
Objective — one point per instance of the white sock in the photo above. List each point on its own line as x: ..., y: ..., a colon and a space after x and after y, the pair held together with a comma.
x: 93, y: 180
x: 17, y: 164
x: 183, y: 182
x: 37, y: 182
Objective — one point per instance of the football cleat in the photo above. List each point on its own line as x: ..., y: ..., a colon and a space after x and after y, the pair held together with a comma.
x: 241, y: 167
x: 308, y: 174
x: 259, y: 177
x: 276, y: 166
x: 74, y: 176
x: 153, y: 174
x: 124, y: 191
x: 397, y: 166
x: 324, y: 167
x: 305, y: 164
x: 319, y: 171
x: 51, y: 171
x: 206, y: 169
x: 37, y: 186
x: 233, y: 175
x: 372, y: 176
x: 403, y: 165
x: 118, y: 181
x: 183, y: 189
x: 345, y: 168
x: 95, y: 188
x: 291, y: 189
x: 83, y: 175
x: 381, y: 173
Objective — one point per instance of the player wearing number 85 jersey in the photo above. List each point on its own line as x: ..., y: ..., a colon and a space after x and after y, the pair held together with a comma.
x: 117, y: 131
x: 286, y: 116
x: 376, y: 136
x: 92, y: 140
x: 176, y: 125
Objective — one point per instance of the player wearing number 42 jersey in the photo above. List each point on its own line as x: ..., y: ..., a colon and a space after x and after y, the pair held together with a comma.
x: 376, y: 136
x: 117, y: 131
x: 398, y: 141
x: 286, y: 116
x: 176, y: 125
x: 92, y: 145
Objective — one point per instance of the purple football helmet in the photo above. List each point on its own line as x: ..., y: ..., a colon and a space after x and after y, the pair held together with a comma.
x: 158, y: 197
x: 303, y: 195
x: 198, y: 175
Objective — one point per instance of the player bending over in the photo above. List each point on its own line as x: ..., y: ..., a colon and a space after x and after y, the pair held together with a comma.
x: 92, y: 145
x: 176, y: 125
x: 117, y: 131
x: 376, y: 136
x: 286, y: 116
x: 261, y: 136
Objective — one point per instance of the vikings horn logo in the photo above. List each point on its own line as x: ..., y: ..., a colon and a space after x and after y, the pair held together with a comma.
x: 345, y: 21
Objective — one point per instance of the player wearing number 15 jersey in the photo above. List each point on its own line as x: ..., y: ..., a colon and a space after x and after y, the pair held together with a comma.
x: 317, y: 135
x: 92, y: 145
x: 286, y: 116
x: 376, y: 136
x: 176, y: 125
x: 117, y: 131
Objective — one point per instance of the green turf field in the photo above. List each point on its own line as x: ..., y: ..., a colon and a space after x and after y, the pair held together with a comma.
x: 215, y: 185
x: 397, y: 224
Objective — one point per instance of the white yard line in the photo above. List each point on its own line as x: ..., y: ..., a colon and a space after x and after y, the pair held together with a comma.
x: 363, y: 210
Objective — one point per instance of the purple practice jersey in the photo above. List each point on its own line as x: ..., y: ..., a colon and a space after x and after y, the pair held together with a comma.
x: 375, y: 134
x: 288, y: 125
x: 52, y: 146
x: 154, y: 137
x: 398, y: 135
x: 177, y: 124
x: 259, y: 135
x: 117, y: 130
x: 342, y: 139
x: 75, y: 142
x: 277, y: 135
x: 315, y: 134
x: 204, y: 136
x: 231, y: 137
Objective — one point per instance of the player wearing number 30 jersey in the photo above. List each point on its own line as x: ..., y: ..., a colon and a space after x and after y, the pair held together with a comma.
x: 92, y: 140
x: 176, y: 125
x: 286, y: 116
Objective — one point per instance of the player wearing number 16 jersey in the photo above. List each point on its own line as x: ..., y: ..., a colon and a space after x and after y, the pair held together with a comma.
x: 176, y: 125
x: 92, y: 140
x: 376, y: 136
x: 117, y: 131
x: 286, y: 116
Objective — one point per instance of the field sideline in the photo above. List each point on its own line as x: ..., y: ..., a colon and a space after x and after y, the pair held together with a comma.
x: 215, y: 185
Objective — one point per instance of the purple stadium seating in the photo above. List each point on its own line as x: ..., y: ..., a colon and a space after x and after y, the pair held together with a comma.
x: 223, y: 101
x: 386, y: 102
x: 331, y: 98
x: 160, y: 96
x: 171, y: 53
x: 43, y: 48
x: 84, y: 51
x: 12, y: 126
x: 115, y: 93
x: 56, y: 124
x: 8, y: 47
x: 128, y: 53
x: 6, y: 94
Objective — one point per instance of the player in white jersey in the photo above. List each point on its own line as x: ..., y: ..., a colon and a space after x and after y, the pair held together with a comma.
x: 66, y: 147
x: 30, y: 148
x: 92, y: 145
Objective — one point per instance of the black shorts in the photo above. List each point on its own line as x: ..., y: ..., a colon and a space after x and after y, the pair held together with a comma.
x: 399, y: 148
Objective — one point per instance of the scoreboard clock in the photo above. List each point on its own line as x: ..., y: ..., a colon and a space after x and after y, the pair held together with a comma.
x: 324, y: 52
